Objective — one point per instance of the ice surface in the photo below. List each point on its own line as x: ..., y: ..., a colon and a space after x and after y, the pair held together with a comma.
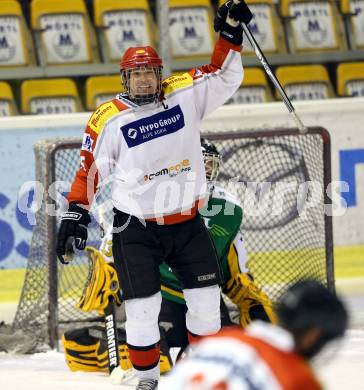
x: 48, y: 371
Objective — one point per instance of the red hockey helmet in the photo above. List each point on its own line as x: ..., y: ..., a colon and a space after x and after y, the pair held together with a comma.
x: 144, y: 56
x: 139, y: 59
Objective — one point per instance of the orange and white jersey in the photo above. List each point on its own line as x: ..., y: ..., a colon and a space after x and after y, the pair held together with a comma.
x: 151, y: 154
x: 261, y: 357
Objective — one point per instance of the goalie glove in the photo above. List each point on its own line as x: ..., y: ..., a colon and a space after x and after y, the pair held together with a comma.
x: 252, y: 302
x: 228, y: 20
x: 102, y: 282
x: 73, y: 229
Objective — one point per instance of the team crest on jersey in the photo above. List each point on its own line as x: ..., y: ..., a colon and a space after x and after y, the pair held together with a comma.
x: 155, y: 126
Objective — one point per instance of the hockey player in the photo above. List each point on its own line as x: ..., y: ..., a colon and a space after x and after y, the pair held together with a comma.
x: 223, y: 218
x: 147, y: 143
x: 267, y: 356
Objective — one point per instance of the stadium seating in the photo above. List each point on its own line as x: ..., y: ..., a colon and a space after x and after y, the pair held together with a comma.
x: 63, y: 32
x: 7, y: 104
x: 99, y: 89
x: 16, y: 47
x: 64, y: 35
x: 313, y: 26
x: 254, y: 89
x: 310, y: 82
x: 354, y: 15
x: 266, y: 27
x: 122, y: 24
x: 350, y: 79
x: 190, y: 28
x: 49, y: 96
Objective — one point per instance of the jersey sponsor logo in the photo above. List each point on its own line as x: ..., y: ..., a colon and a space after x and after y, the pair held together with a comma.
x: 176, y: 82
x: 174, y: 170
x: 101, y: 116
x: 132, y: 133
x: 152, y: 127
x: 87, y: 143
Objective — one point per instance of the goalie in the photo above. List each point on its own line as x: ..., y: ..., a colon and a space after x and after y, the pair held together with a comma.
x: 223, y: 217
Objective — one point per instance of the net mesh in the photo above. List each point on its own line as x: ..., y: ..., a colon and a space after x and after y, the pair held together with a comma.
x: 283, y: 224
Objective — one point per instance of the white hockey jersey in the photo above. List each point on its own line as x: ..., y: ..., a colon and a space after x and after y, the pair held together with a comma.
x: 151, y: 153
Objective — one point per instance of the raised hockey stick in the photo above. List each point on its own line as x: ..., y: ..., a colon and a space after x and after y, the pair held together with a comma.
x: 302, y: 128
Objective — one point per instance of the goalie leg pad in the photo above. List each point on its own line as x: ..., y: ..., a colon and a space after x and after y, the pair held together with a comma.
x: 102, y: 356
x: 80, y: 350
x: 89, y: 354
x: 165, y: 360
x: 86, y: 352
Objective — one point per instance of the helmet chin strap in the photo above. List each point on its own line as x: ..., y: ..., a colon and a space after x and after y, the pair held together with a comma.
x: 144, y: 99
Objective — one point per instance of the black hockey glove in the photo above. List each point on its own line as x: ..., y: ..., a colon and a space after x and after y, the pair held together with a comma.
x: 73, y: 229
x: 228, y: 20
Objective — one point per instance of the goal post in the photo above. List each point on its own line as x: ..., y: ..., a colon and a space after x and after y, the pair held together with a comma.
x: 280, y: 178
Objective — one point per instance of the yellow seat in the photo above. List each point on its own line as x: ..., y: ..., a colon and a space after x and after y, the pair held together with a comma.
x: 16, y: 46
x: 350, y: 79
x: 313, y: 25
x: 100, y: 89
x: 63, y: 31
x: 266, y: 27
x: 309, y: 82
x: 191, y: 28
x: 49, y: 96
x: 122, y: 24
x: 254, y: 88
x: 354, y: 13
x: 7, y: 103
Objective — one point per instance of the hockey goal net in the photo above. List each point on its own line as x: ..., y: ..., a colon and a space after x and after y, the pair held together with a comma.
x: 280, y: 179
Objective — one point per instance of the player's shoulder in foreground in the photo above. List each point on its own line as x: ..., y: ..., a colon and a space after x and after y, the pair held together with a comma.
x: 106, y: 111
x: 176, y: 83
x: 221, y: 193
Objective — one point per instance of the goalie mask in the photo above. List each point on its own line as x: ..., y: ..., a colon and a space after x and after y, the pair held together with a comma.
x: 141, y: 74
x: 212, y: 159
